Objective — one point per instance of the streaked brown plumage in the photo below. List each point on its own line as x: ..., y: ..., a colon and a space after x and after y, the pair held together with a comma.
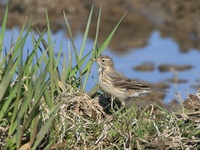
x: 115, y: 84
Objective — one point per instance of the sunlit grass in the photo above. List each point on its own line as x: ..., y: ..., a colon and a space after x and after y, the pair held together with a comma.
x: 31, y: 88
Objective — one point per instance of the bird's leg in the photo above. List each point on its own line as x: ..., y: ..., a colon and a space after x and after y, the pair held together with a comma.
x: 112, y: 101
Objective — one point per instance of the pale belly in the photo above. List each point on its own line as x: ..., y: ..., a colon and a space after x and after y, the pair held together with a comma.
x: 110, y: 90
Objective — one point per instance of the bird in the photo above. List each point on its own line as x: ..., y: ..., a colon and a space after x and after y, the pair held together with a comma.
x: 116, y: 85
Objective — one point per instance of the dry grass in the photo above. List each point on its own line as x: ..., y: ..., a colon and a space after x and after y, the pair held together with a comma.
x: 83, y: 124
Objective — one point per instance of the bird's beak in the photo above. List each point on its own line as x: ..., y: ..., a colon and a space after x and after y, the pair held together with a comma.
x: 93, y: 59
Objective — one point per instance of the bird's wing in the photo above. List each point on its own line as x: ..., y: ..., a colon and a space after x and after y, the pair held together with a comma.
x: 121, y: 81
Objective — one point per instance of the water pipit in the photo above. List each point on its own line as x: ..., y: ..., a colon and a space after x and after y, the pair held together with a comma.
x: 116, y: 85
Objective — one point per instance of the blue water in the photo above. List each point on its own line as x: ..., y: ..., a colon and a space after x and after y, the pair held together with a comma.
x: 158, y: 51
x: 161, y: 51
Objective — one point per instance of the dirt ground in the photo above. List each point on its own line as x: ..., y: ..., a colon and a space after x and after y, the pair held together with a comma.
x: 178, y: 19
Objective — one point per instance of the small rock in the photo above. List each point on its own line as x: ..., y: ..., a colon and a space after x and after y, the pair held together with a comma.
x: 167, y: 67
x: 177, y: 80
x: 145, y: 67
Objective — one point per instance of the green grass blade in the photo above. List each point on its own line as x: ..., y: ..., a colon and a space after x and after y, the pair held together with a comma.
x: 94, y: 47
x: 97, y: 32
x: 12, y: 59
x: 86, y: 33
x: 70, y: 34
x: 25, y: 104
x: 58, y: 56
x: 18, y: 92
x: 69, y: 66
x: 102, y: 47
x: 40, y: 135
x: 34, y: 126
x: 50, y: 45
x: 18, y: 49
x: 10, y: 70
x: 3, y: 28
x: 79, y: 64
x: 105, y: 43
x: 74, y: 70
x: 7, y: 105
x: 63, y: 75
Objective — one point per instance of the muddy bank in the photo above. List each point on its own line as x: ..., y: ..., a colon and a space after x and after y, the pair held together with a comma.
x: 178, y: 19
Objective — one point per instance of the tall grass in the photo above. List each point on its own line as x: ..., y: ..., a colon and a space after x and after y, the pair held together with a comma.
x: 30, y: 89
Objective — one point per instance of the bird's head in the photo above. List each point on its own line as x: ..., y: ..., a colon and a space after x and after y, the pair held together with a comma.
x: 105, y: 61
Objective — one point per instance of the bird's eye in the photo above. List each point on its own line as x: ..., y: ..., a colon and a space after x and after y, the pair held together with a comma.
x: 103, y: 60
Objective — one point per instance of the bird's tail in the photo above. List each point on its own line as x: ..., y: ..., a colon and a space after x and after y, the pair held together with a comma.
x: 160, y: 90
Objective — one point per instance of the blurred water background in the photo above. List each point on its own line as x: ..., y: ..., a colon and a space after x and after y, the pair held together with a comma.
x: 157, y: 41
